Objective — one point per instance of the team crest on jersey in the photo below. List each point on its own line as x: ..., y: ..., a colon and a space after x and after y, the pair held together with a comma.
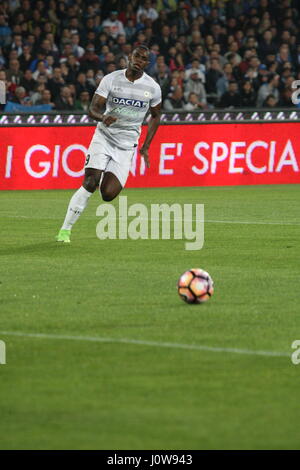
x: 130, y: 102
x: 147, y: 94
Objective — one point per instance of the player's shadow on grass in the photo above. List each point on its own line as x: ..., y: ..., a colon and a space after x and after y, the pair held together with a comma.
x: 52, y: 249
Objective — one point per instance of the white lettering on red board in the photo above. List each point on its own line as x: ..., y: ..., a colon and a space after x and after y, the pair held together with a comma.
x: 211, y: 155
x: 44, y: 166
x: 238, y: 156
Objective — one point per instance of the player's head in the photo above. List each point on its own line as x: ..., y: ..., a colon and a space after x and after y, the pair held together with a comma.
x: 139, y: 58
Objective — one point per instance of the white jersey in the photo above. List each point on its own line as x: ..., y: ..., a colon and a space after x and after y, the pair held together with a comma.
x: 128, y: 102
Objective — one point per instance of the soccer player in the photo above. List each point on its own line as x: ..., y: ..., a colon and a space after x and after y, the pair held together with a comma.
x: 127, y: 95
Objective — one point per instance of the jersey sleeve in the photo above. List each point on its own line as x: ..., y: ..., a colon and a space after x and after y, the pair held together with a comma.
x: 156, y: 98
x: 104, y: 87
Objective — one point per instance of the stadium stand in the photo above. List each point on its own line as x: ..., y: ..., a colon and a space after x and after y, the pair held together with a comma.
x: 204, y: 54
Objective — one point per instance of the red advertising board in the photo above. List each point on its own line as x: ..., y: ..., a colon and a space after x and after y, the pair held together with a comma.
x: 181, y: 155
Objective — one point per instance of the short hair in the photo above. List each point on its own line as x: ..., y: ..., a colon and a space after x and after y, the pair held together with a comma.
x: 231, y: 55
x: 270, y: 96
x: 142, y: 46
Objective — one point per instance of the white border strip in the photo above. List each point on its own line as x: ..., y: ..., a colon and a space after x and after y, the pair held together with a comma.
x: 193, y: 347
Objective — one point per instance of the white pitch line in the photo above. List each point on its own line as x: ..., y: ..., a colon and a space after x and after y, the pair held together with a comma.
x: 210, y: 221
x: 193, y: 347
x: 250, y: 222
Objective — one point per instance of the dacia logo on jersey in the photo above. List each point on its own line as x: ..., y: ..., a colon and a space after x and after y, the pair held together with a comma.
x: 130, y: 102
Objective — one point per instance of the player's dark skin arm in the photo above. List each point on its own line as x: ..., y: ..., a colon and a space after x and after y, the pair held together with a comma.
x: 97, y: 108
x: 152, y: 128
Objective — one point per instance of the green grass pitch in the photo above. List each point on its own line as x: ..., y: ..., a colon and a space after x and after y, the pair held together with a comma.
x: 74, y: 393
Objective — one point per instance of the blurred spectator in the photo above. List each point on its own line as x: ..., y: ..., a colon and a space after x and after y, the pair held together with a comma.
x: 80, y: 84
x: 7, y: 96
x: 183, y: 21
x: 65, y: 72
x: 97, y: 79
x: 160, y: 60
x: 130, y: 29
x: 175, y: 101
x: 198, y: 68
x: 286, y: 97
x: 67, y: 51
x: 163, y: 79
x: 52, y: 13
x: 160, y: 22
x: 41, y: 69
x: 122, y: 63
x: 89, y: 60
x: 17, y: 44
x: 125, y: 51
x: 147, y: 11
x: 193, y: 103
x: 223, y: 82
x: 56, y: 82
x: 5, y: 32
x: 214, y: 72
x: 77, y: 50
x: 14, y: 74
x: 194, y: 85
x: 65, y: 101
x: 267, y: 44
x: 269, y: 88
x: 235, y: 8
x: 91, y: 79
x: 128, y: 14
x: 40, y: 56
x: 37, y: 94
x: 233, y: 49
x: 283, y: 54
x: 45, y: 98
x: 72, y: 65
x: 248, y: 95
x: 113, y: 25
x: 196, y: 9
x: 119, y: 43
x: 165, y: 41
x: 231, y: 98
x: 270, y: 102
x: 206, y: 7
x: 27, y: 81
x: 53, y: 47
x: 178, y: 63
x: 2, y: 59
x: 82, y: 104
x: 20, y: 94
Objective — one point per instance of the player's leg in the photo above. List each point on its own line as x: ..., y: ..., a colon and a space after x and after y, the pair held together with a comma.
x: 116, y: 174
x: 78, y: 202
x: 96, y: 162
x: 110, y: 186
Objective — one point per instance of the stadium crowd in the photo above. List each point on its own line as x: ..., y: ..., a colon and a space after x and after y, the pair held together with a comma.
x: 203, y: 53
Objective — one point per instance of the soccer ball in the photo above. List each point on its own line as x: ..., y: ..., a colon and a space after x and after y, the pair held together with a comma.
x: 195, y: 286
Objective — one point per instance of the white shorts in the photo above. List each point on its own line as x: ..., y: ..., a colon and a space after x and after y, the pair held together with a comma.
x: 105, y: 156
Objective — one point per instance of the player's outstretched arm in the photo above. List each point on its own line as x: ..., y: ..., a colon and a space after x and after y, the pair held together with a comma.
x: 97, y: 108
x: 152, y: 128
